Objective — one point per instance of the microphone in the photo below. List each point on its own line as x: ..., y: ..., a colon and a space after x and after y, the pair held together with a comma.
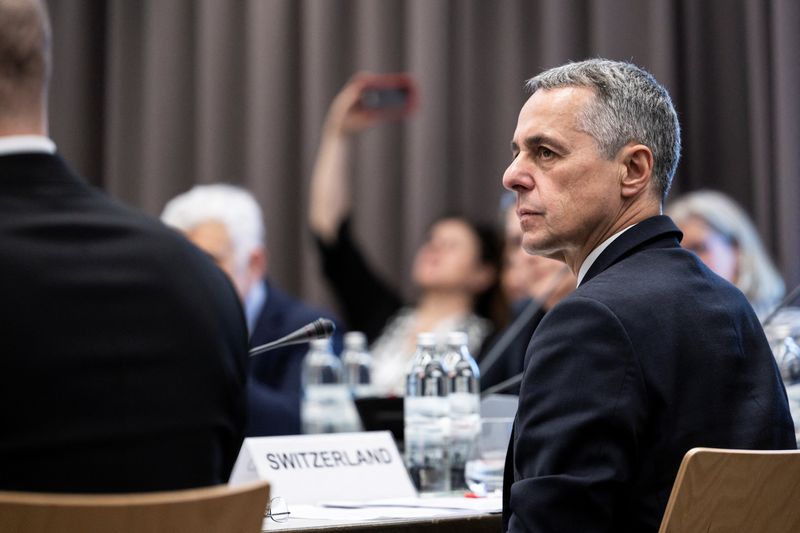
x: 534, y: 306
x: 792, y: 296
x: 503, y: 386
x: 321, y: 328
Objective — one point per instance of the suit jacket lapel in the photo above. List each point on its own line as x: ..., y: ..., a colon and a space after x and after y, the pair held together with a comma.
x: 654, y: 232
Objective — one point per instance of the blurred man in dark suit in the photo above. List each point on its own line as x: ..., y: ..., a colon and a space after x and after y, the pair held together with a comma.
x: 652, y: 354
x: 122, y: 347
x: 227, y: 223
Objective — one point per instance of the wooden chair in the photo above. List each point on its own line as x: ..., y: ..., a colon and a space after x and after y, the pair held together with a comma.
x: 218, y: 509
x: 735, y: 490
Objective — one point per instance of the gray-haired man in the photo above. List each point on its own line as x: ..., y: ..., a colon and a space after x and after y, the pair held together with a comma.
x: 653, y: 354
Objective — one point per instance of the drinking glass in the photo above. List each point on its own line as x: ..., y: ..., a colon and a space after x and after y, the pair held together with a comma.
x: 484, y: 468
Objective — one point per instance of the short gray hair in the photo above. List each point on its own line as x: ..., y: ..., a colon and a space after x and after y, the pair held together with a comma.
x: 233, y: 207
x: 630, y: 105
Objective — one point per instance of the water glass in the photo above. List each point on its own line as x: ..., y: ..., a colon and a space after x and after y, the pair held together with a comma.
x: 484, y: 468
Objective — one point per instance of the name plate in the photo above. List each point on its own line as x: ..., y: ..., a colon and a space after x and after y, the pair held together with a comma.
x: 312, y: 468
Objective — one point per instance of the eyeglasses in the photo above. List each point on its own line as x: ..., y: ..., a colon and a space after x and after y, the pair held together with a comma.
x: 277, y: 510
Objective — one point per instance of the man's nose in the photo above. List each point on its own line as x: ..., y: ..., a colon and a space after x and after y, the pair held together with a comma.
x: 512, y: 176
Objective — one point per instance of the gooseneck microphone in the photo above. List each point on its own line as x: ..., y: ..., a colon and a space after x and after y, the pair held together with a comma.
x: 321, y: 328
x: 792, y: 296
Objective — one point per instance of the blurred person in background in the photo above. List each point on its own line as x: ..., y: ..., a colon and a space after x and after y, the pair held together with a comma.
x: 722, y: 235
x: 226, y: 222
x: 533, y: 284
x: 455, y: 271
x: 124, y: 349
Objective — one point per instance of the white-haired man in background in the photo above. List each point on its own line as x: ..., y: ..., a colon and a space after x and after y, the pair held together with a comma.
x: 226, y: 222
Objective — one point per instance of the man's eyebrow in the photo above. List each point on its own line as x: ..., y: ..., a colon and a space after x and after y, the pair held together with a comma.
x: 537, y: 140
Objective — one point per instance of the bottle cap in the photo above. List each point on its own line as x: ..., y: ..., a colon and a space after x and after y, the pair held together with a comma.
x: 457, y: 338
x: 355, y: 340
x: 426, y: 338
x: 321, y: 344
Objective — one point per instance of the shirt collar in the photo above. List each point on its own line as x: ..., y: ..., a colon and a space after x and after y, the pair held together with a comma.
x: 254, y: 303
x: 23, y: 144
x: 594, y: 254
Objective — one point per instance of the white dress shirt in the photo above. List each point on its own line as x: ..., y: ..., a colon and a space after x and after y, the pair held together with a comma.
x: 594, y: 254
x: 23, y: 144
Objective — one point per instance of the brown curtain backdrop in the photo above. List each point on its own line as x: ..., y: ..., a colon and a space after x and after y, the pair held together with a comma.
x: 152, y: 96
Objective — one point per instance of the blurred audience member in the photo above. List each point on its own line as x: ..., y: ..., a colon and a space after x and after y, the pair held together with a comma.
x: 533, y: 284
x: 722, y: 235
x: 124, y: 350
x: 455, y: 270
x: 226, y: 222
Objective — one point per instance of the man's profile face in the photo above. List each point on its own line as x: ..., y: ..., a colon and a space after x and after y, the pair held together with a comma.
x: 567, y: 192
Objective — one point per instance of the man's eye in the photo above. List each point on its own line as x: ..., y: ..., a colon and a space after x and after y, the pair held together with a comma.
x: 546, y: 153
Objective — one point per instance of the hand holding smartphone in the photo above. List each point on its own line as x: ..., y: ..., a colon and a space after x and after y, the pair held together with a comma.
x: 393, y: 95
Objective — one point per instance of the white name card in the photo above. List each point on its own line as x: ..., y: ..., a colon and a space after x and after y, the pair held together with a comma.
x: 311, y: 468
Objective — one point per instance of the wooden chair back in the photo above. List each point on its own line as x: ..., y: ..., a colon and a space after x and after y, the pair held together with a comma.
x: 735, y: 490
x: 218, y: 509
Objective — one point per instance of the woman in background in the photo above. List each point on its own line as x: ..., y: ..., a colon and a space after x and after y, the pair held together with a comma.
x: 723, y: 237
x: 455, y: 272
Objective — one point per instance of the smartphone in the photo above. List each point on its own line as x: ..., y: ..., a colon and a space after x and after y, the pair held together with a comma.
x: 393, y: 93
x: 384, y: 98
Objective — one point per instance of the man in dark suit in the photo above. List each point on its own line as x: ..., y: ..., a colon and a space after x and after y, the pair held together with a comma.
x: 652, y: 354
x: 227, y: 223
x: 122, y: 347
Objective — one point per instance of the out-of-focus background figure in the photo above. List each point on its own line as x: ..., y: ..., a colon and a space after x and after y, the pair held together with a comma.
x: 455, y: 271
x: 719, y: 231
x: 532, y: 285
x: 227, y: 223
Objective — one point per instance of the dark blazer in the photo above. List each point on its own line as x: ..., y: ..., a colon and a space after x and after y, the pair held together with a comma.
x: 652, y: 355
x: 274, y: 384
x: 122, y: 346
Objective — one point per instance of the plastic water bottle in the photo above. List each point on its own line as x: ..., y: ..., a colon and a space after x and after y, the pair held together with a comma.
x: 427, y: 424
x: 783, y: 334
x: 327, y: 406
x: 357, y: 364
x: 464, y: 398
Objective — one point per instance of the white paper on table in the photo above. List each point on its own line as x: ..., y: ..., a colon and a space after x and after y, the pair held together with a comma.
x: 442, y: 505
x: 359, y: 514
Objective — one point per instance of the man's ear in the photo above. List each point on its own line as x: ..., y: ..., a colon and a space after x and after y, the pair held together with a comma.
x: 637, y: 169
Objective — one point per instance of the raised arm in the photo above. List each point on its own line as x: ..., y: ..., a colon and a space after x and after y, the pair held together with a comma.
x: 330, y: 200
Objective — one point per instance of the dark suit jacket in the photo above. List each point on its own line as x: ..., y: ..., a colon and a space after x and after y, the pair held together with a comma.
x: 122, y: 346
x: 275, y: 389
x: 652, y: 355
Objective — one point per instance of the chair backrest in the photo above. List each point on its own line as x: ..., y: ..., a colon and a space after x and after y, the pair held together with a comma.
x: 735, y: 490
x: 218, y: 509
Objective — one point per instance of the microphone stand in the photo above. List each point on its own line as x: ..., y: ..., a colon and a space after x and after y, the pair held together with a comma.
x: 503, y: 385
x: 792, y: 296
x: 516, y: 326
